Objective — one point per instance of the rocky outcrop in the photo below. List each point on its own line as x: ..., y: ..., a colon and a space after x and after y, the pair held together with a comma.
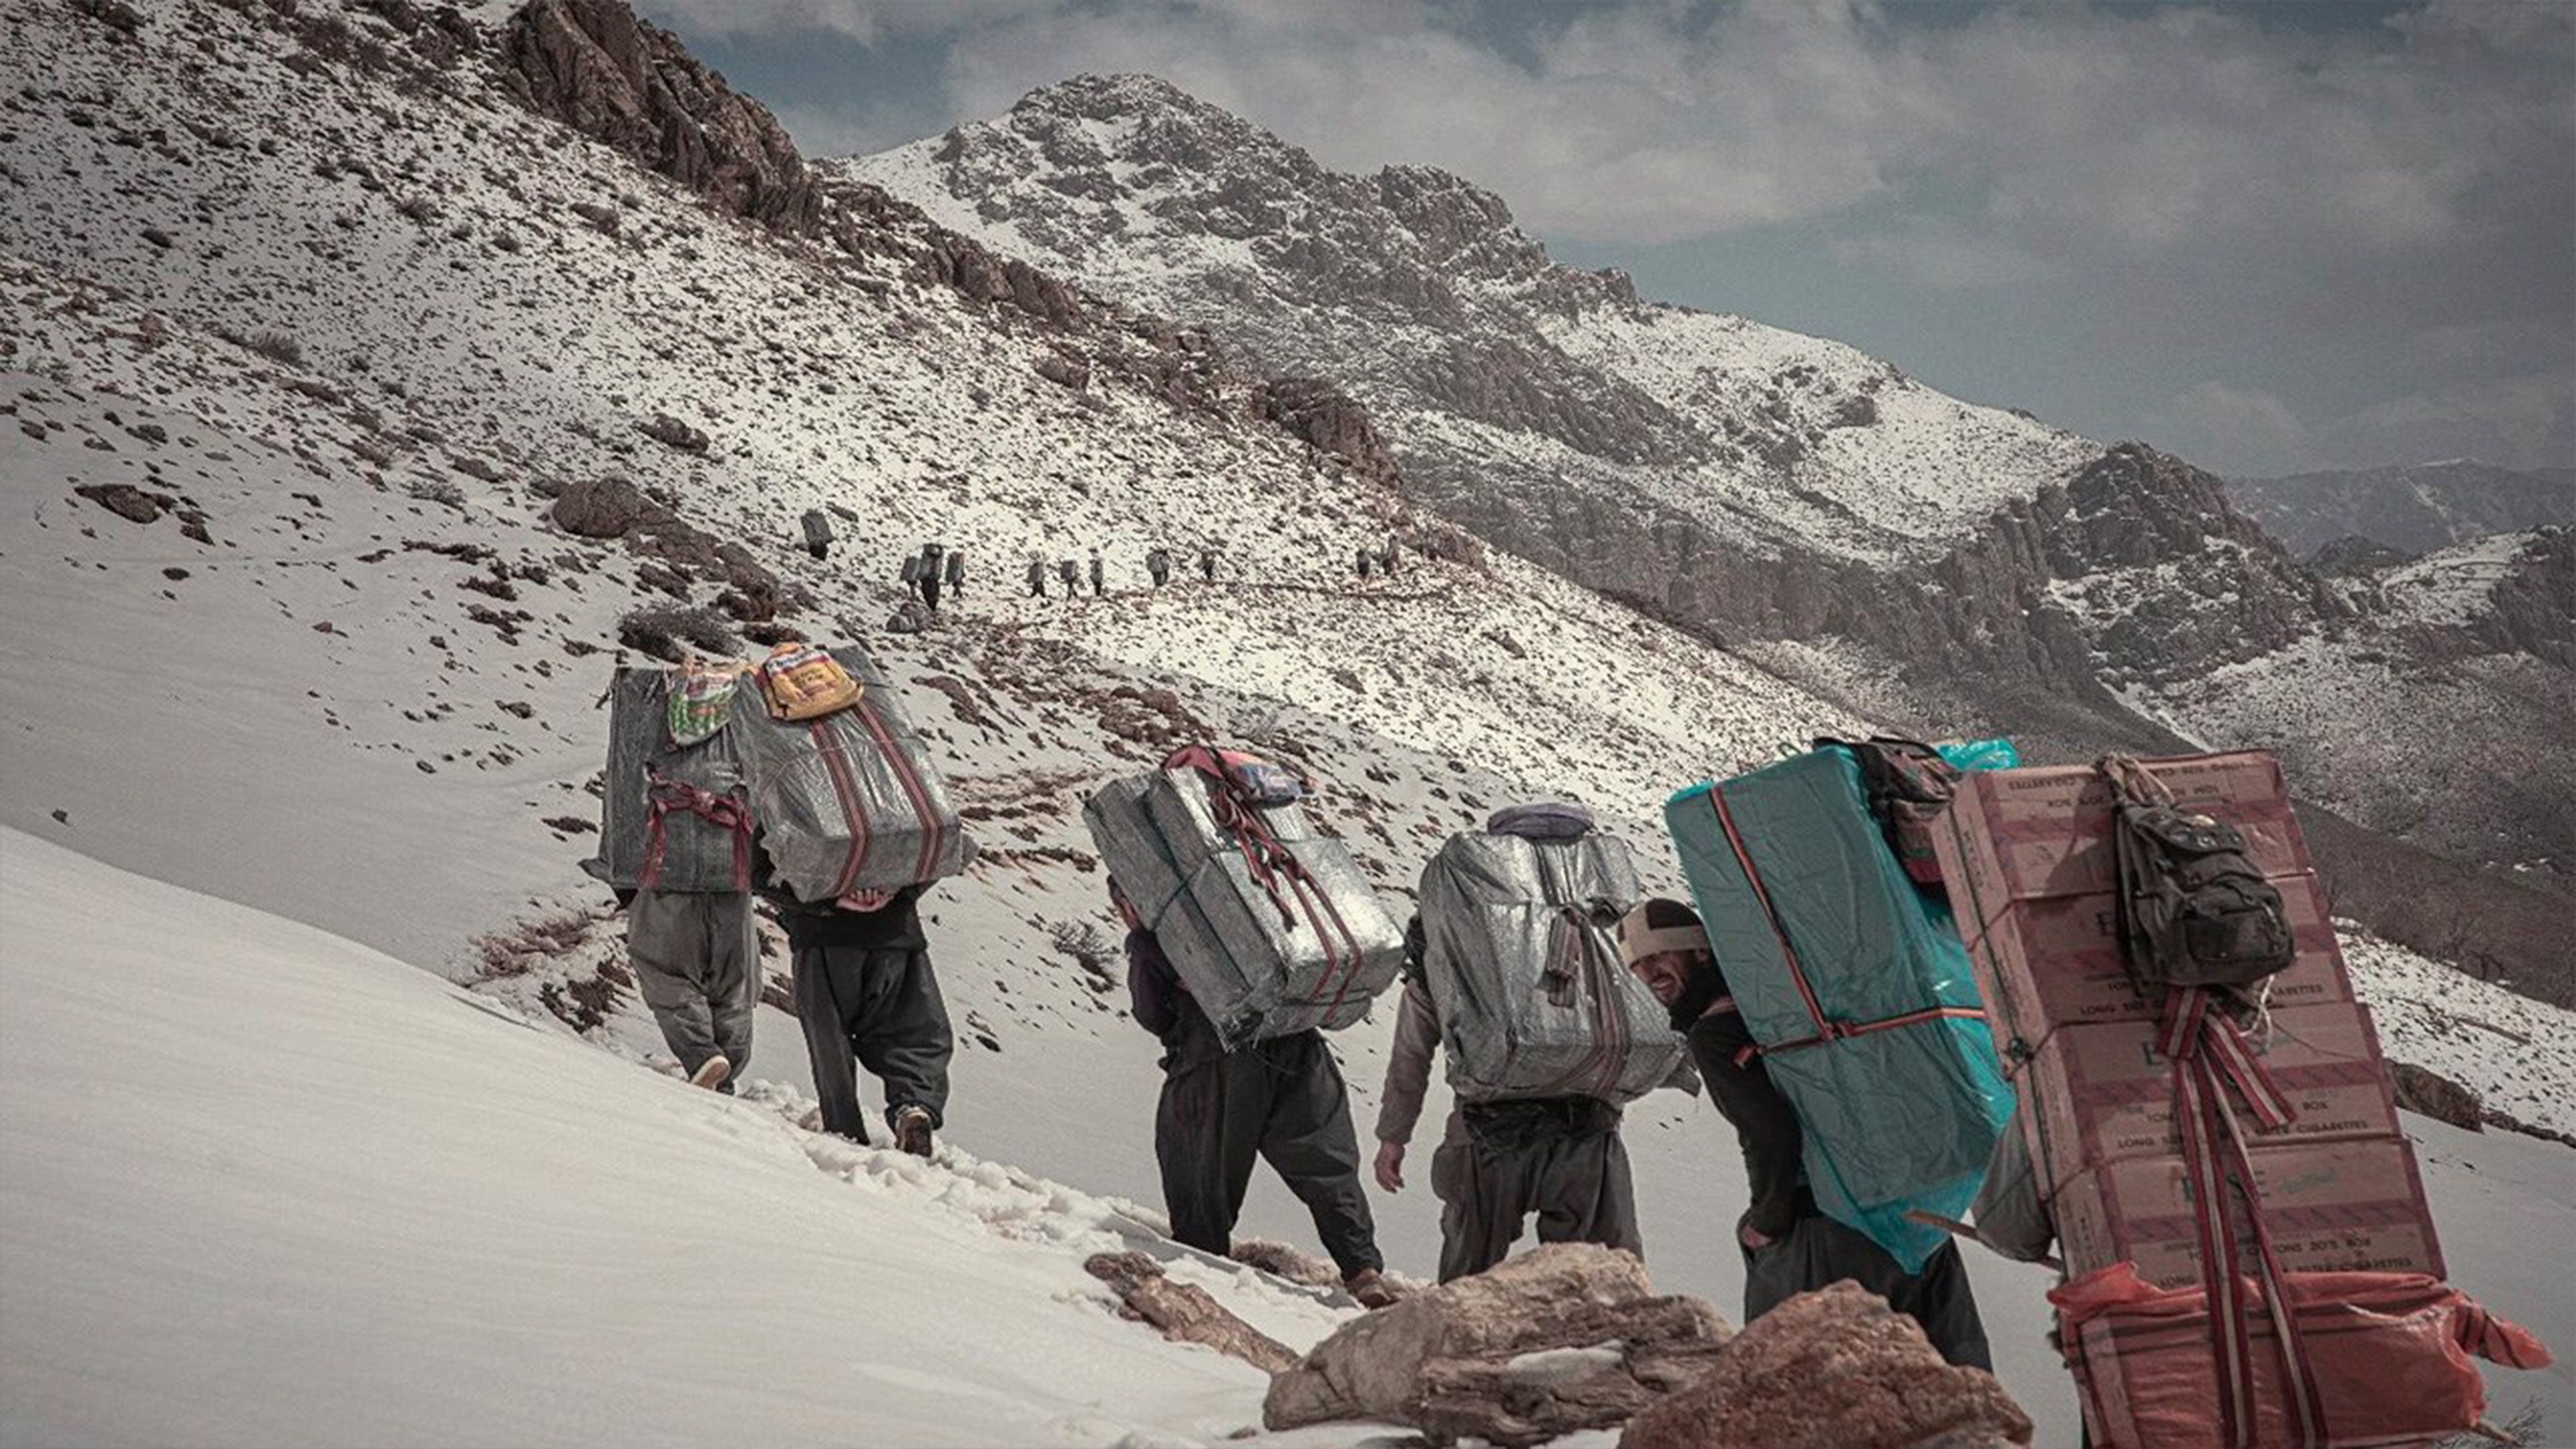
x: 2353, y: 556
x: 599, y: 508
x: 2428, y: 1093
x: 2533, y: 608
x: 1833, y: 1369
x: 1184, y: 1312
x: 595, y: 66
x: 1330, y: 421
x: 1566, y: 1337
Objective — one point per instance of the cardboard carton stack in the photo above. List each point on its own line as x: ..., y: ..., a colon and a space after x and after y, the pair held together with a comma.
x: 2028, y: 858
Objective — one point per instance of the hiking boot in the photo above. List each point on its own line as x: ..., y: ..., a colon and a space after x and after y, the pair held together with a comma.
x: 712, y: 1072
x: 912, y: 1130
x: 1370, y: 1288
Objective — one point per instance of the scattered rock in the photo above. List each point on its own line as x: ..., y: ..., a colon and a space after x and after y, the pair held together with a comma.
x: 1458, y: 1359
x: 127, y: 501
x: 672, y: 433
x: 1833, y: 1369
x: 2433, y: 1095
x: 598, y: 508
x: 1184, y: 1312
x: 62, y: 817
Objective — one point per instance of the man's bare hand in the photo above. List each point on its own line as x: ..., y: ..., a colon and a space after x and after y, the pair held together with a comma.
x: 1390, y: 1166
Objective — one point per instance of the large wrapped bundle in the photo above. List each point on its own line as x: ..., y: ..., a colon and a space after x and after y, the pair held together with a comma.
x: 1518, y: 955
x: 2383, y: 1357
x: 849, y: 802
x: 1853, y: 980
x: 1268, y: 920
x: 672, y: 816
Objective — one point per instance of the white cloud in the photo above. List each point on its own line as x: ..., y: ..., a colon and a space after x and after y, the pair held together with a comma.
x: 2238, y: 432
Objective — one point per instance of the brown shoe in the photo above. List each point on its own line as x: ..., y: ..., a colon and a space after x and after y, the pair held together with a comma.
x: 712, y: 1072
x: 1370, y: 1288
x: 912, y: 1131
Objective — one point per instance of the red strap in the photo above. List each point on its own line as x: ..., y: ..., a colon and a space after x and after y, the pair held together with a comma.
x: 845, y: 790
x: 2210, y: 1056
x: 1789, y: 953
x: 723, y: 811
x: 932, y: 836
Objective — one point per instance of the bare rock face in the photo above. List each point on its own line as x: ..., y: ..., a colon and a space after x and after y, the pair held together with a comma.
x: 593, y: 65
x: 1833, y: 1369
x: 2433, y: 1095
x: 1183, y: 1311
x: 1329, y: 420
x: 599, y: 508
x: 1566, y: 1337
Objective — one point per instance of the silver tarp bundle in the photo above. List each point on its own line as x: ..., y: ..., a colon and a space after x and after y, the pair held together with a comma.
x: 1524, y: 971
x: 1272, y: 935
x: 656, y: 788
x: 849, y: 801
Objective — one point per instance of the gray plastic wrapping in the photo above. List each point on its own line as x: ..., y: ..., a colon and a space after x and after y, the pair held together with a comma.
x: 696, y: 854
x: 1524, y: 971
x: 850, y: 801
x: 1256, y: 971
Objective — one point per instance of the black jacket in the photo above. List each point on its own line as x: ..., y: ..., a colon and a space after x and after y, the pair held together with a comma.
x: 1766, y: 1126
x: 894, y: 927
x: 1164, y: 1007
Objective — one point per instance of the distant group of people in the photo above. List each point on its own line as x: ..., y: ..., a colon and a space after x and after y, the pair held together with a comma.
x: 940, y: 569
x: 1069, y: 573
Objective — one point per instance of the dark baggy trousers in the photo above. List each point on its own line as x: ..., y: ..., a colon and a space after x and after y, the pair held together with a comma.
x: 1282, y: 1100
x: 1819, y: 1251
x: 1572, y: 1171
x: 697, y: 965
x: 878, y: 1008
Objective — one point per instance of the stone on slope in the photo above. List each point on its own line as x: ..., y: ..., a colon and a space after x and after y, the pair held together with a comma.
x: 1833, y: 1369
x: 1185, y: 1312
x: 1568, y: 1336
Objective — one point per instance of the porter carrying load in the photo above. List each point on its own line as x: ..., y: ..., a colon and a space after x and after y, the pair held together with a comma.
x: 675, y: 813
x: 1854, y: 982
x: 1269, y: 922
x: 1532, y: 997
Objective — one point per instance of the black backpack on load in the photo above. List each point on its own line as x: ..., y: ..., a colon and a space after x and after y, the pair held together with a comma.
x: 1908, y: 785
x: 2192, y: 908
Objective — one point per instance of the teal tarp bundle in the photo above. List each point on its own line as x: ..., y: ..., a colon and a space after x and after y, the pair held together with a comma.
x: 1843, y: 969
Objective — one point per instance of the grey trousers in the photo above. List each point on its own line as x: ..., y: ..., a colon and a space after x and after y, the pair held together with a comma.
x: 879, y: 1008
x: 1818, y: 1252
x: 697, y: 965
x: 1575, y: 1181
x: 1281, y: 1100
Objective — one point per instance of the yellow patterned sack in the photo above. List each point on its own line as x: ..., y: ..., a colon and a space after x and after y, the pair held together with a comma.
x: 802, y: 682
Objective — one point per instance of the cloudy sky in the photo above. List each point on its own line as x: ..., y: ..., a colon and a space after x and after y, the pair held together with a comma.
x: 2271, y: 236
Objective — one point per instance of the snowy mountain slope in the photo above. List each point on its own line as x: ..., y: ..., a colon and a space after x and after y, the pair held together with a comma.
x: 2426, y: 711
x: 929, y: 417
x: 1950, y: 567
x: 268, y: 1187
x: 1475, y: 349
x: 2419, y: 508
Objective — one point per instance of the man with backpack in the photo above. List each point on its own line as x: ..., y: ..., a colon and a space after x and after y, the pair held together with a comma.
x: 689, y: 933
x: 867, y: 997
x: 1158, y: 563
x: 818, y: 533
x: 1507, y: 911
x: 1207, y: 565
x: 956, y: 572
x: 1070, y: 574
x: 1281, y: 1099
x: 1037, y: 578
x: 910, y: 573
x: 1098, y: 577
x: 1499, y: 1163
x: 1790, y: 1247
x: 932, y: 558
